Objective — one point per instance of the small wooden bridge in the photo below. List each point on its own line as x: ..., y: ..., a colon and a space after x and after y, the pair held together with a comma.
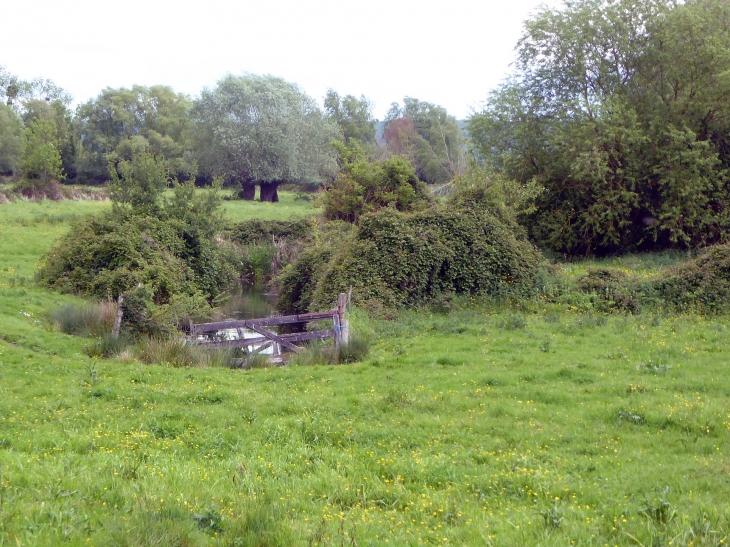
x: 340, y: 331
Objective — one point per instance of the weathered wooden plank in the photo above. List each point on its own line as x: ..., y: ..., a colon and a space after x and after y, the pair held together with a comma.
x: 270, y: 335
x: 264, y: 322
x: 261, y: 348
x: 295, y: 337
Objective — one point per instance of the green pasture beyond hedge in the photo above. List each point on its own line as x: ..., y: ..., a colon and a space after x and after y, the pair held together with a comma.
x: 478, y: 427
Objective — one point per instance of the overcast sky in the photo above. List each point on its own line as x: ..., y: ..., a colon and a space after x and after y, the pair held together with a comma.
x: 450, y: 53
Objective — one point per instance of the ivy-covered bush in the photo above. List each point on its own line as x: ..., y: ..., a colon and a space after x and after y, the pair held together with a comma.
x: 396, y: 259
x: 611, y: 290
x: 701, y: 284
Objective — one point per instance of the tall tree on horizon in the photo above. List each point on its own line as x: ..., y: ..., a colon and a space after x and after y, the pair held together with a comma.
x: 262, y: 130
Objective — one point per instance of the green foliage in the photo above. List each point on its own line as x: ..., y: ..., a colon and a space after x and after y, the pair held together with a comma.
x: 137, y: 184
x: 619, y: 111
x: 11, y: 140
x: 57, y: 113
x: 258, y: 231
x: 85, y: 320
x: 263, y: 130
x: 298, y: 281
x: 267, y: 246
x: 404, y: 259
x: 506, y: 198
x: 701, y: 284
x: 396, y: 447
x: 429, y: 137
x: 41, y: 157
x: 159, y: 253
x: 120, y: 123
x: 353, y: 116
x: 610, y: 290
x: 109, y: 346
x: 364, y: 186
x: 355, y: 351
x: 18, y: 93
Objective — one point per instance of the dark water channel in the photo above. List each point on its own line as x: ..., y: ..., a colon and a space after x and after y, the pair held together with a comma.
x: 248, y: 301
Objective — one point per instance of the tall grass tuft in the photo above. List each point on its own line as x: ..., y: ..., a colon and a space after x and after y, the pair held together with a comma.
x: 178, y: 353
x: 85, y: 319
x: 174, y: 352
x: 256, y: 360
x: 311, y: 356
x: 354, y: 351
x: 108, y: 346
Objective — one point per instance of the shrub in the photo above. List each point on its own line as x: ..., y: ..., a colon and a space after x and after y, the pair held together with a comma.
x: 702, y: 284
x: 258, y: 231
x: 611, y: 290
x: 364, y: 186
x: 398, y: 259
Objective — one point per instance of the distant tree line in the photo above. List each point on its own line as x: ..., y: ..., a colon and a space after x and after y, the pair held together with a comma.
x: 249, y: 130
x: 616, y: 123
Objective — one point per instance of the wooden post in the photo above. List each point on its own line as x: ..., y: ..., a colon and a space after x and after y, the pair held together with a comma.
x: 118, y: 318
x: 344, y: 326
x: 336, y: 324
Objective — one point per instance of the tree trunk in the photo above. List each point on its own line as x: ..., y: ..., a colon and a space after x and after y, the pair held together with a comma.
x: 249, y: 190
x: 269, y: 193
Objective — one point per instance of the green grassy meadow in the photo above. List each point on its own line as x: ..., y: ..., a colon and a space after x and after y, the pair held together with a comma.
x: 479, y: 427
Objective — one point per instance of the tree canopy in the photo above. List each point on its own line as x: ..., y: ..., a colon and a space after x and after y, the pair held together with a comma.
x: 353, y: 116
x: 121, y: 122
x: 620, y: 110
x: 16, y: 92
x: 263, y: 130
x: 428, y: 136
x: 11, y: 139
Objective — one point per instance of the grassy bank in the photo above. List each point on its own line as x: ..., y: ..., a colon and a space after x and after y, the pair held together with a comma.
x: 480, y: 427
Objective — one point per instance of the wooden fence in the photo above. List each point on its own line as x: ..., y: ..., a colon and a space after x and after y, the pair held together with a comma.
x: 340, y: 330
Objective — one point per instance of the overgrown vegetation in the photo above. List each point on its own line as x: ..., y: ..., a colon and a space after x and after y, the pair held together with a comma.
x: 158, y: 253
x: 619, y: 110
x: 465, y: 420
x: 490, y: 396
x: 406, y: 256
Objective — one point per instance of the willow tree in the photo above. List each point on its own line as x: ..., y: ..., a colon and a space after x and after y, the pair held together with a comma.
x: 263, y: 130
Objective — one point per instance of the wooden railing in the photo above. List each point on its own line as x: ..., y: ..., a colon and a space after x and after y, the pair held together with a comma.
x: 340, y: 331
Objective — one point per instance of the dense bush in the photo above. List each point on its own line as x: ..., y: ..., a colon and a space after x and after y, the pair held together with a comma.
x: 611, y: 290
x: 266, y: 246
x: 701, y: 284
x: 396, y: 259
x: 364, y: 186
x: 258, y: 231
x: 619, y: 110
x: 160, y: 254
